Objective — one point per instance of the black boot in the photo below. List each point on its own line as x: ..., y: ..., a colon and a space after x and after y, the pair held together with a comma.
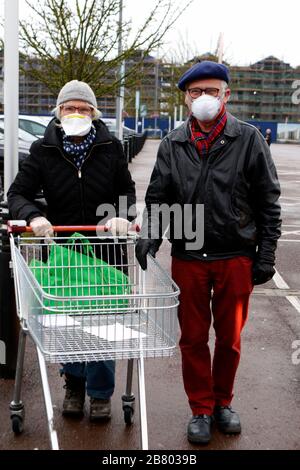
x: 100, y: 409
x: 199, y: 429
x: 75, y: 395
x: 227, y: 420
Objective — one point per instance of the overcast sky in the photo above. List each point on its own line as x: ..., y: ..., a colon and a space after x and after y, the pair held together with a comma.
x: 252, y: 29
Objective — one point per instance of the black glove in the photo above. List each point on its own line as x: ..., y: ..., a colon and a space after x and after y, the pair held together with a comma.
x: 145, y: 246
x: 262, y: 272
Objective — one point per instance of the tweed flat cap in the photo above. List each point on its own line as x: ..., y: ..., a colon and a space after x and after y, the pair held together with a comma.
x: 202, y: 70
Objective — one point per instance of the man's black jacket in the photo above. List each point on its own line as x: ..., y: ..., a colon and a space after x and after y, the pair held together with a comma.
x: 237, y: 184
x: 72, y: 196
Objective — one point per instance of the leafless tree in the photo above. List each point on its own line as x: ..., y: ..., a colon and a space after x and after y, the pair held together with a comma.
x: 79, y: 40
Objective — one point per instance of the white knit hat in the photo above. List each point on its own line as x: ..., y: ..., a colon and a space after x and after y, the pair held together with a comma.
x: 76, y: 90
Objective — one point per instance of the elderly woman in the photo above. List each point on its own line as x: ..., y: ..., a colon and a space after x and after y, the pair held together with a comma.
x: 79, y: 165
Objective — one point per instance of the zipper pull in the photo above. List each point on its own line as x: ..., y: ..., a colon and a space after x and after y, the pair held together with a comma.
x: 79, y: 174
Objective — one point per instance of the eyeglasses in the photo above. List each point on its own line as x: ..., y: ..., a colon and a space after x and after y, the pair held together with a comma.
x: 196, y: 92
x: 86, y: 110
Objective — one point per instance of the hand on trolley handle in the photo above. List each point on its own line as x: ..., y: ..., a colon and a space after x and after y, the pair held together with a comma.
x: 41, y: 227
x: 118, y: 226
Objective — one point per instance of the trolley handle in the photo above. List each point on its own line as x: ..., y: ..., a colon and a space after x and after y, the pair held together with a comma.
x: 20, y: 226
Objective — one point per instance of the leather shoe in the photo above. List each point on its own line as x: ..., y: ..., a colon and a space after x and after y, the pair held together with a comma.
x: 199, y: 429
x: 227, y: 420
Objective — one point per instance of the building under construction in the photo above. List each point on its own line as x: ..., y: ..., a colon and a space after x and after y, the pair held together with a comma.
x: 263, y: 91
x: 260, y: 92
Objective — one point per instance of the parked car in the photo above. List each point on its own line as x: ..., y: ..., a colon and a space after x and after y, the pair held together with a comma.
x: 23, y: 135
x: 111, y: 124
x: 34, y: 125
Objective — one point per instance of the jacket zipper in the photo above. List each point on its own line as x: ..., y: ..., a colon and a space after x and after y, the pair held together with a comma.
x: 198, y: 192
x: 80, y: 176
x: 79, y: 173
x: 88, y: 156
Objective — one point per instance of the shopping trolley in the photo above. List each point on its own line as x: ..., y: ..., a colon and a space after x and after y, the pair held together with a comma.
x: 137, y: 323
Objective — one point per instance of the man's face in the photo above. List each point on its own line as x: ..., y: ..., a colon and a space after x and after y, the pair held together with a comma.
x: 212, y: 86
x: 76, y: 106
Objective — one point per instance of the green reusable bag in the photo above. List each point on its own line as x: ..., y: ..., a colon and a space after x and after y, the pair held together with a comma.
x: 71, y: 273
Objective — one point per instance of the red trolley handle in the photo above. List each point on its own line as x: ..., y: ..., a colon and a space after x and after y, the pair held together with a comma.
x: 20, y: 226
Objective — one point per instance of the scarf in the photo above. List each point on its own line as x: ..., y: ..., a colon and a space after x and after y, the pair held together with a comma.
x: 203, y: 141
x: 78, y: 152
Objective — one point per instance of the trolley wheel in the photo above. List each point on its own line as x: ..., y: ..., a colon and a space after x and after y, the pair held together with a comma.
x: 17, y: 424
x: 128, y: 415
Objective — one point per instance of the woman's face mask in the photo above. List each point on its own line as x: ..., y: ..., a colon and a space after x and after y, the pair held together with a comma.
x: 76, y: 124
x: 206, y: 107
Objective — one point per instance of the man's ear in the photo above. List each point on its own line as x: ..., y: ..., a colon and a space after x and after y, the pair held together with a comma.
x: 187, y: 101
x: 227, y: 95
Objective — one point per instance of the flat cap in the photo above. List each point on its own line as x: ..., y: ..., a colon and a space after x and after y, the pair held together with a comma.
x: 202, y: 70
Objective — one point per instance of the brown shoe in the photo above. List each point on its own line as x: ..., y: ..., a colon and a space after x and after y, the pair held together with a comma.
x: 100, y: 409
x: 75, y: 396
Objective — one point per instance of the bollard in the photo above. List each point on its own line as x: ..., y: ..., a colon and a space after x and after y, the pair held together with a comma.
x: 134, y: 138
x: 130, y: 149
x: 133, y: 144
x: 125, y: 148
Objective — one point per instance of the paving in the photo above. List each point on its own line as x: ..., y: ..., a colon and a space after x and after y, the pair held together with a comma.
x: 267, y: 391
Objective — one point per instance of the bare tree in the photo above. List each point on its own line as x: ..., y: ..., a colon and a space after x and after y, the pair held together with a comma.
x: 177, y: 61
x: 79, y: 40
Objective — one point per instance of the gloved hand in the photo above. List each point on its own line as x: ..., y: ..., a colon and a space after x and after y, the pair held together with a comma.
x: 118, y: 226
x: 143, y: 247
x: 41, y: 227
x: 262, y: 272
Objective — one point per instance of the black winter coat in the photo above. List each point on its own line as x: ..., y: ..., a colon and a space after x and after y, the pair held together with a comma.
x: 237, y: 184
x: 72, y: 196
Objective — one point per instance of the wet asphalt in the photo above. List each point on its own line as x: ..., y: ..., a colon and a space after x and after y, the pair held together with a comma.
x: 267, y: 389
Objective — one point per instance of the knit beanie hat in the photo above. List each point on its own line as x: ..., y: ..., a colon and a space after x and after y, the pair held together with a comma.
x: 76, y: 90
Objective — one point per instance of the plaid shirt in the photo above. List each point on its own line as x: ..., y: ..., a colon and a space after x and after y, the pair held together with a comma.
x: 204, y: 141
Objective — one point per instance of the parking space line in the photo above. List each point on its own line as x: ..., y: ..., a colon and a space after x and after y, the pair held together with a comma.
x: 279, y: 281
x: 290, y: 232
x: 281, y: 284
x: 290, y: 198
x: 290, y: 204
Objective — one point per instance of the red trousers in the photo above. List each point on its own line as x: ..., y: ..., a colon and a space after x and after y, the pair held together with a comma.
x: 218, y: 289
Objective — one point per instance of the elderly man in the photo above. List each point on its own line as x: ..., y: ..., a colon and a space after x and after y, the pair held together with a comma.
x: 217, y: 161
x: 79, y: 166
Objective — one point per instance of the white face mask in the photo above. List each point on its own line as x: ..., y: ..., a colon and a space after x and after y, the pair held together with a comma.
x: 206, y: 107
x: 76, y: 124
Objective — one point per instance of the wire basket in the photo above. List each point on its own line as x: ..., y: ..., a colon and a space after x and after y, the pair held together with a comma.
x: 107, y: 319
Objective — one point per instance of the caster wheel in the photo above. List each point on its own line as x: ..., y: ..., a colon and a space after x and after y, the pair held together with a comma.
x: 17, y: 424
x: 128, y: 415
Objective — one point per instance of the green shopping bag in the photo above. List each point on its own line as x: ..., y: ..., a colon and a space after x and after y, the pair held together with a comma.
x: 71, y: 272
